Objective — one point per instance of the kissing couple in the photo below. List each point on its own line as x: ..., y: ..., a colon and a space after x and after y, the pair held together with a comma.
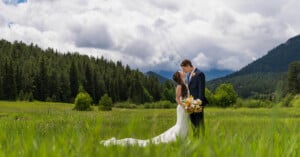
x: 189, y: 82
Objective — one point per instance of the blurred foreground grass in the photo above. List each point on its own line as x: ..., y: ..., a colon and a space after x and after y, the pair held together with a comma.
x: 54, y: 129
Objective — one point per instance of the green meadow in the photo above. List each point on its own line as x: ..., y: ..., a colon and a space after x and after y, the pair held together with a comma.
x: 54, y: 129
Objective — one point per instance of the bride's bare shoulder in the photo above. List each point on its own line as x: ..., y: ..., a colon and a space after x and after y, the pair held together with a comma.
x: 178, y: 87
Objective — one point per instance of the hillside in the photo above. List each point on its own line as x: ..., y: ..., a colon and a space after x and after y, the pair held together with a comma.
x: 216, y: 73
x: 160, y: 78
x: 261, y: 76
x: 28, y: 72
x: 209, y: 74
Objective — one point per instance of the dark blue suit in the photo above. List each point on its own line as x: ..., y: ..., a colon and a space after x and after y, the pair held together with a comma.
x: 197, y: 89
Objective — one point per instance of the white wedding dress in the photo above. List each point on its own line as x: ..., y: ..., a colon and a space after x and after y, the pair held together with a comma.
x: 179, y: 130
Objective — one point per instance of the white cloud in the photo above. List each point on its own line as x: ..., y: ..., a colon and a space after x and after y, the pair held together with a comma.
x: 155, y: 34
x: 96, y: 36
x: 229, y: 63
x: 202, y: 61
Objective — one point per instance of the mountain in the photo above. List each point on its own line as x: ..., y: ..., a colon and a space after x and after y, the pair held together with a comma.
x: 277, y: 60
x: 261, y: 76
x: 165, y: 73
x: 210, y: 74
x: 160, y: 78
x: 216, y: 73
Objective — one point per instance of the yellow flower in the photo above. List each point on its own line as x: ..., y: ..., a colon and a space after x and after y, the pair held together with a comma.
x: 192, y: 105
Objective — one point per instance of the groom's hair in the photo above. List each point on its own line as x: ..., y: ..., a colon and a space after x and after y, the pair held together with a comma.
x: 186, y: 63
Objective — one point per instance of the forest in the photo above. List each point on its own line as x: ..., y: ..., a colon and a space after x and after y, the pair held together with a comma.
x: 30, y: 73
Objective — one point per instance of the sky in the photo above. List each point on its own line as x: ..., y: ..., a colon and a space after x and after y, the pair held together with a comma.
x: 155, y: 34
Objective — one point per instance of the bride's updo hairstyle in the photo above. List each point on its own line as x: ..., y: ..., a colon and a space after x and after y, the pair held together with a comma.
x: 179, y: 81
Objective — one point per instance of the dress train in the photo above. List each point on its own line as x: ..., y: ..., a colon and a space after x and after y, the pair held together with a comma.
x: 179, y: 130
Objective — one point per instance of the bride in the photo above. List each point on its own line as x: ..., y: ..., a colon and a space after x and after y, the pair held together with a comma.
x: 179, y: 130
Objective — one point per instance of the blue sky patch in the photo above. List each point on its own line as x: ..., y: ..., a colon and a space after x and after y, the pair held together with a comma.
x: 14, y: 2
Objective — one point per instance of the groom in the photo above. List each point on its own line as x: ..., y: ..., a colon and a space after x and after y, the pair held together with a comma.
x: 196, y: 85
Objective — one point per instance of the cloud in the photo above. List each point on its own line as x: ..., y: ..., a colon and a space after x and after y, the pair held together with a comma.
x: 96, y: 36
x: 140, y: 49
x: 2, y: 21
x: 202, y: 61
x: 265, y: 8
x: 153, y: 34
x: 229, y: 62
x: 171, y: 5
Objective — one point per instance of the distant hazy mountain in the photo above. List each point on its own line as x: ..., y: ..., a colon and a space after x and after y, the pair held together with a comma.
x: 215, y: 73
x: 277, y: 60
x: 211, y: 74
x: 262, y: 75
x: 165, y: 73
x: 159, y: 77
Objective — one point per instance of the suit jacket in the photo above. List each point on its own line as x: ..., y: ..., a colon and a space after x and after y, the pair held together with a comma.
x: 197, y: 86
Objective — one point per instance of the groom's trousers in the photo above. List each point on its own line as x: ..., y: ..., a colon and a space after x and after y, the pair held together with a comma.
x: 197, y: 120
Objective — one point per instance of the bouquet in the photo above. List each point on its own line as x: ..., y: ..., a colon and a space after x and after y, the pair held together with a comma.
x: 191, y: 105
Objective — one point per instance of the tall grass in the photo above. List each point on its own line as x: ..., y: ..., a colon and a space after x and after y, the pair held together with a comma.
x: 54, y: 129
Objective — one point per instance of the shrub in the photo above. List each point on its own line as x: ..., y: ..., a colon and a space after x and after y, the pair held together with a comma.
x: 125, y: 105
x: 239, y: 103
x: 147, y: 96
x: 83, y: 101
x: 210, y: 97
x: 29, y: 97
x: 21, y: 96
x: 105, y: 103
x: 25, y: 96
x: 286, y: 102
x: 253, y: 103
x: 160, y: 104
x: 295, y: 101
x: 225, y: 95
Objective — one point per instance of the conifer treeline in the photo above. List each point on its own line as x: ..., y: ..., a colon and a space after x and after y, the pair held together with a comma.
x: 293, y: 77
x: 29, y: 73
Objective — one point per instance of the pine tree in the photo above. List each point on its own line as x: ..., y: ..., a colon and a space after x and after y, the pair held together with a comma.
x: 1, y: 81
x: 41, y: 82
x: 74, y: 81
x: 100, y: 90
x: 168, y: 91
x: 9, y: 82
x: 136, y: 90
x: 89, y: 83
x: 54, y: 86
x: 154, y: 88
x: 19, y: 80
x: 294, y: 78
x: 65, y: 92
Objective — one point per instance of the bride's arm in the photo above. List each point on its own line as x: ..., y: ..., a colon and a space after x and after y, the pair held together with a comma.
x: 178, y: 94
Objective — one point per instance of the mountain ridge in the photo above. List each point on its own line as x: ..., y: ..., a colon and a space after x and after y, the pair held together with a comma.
x: 160, y: 78
x: 263, y: 73
x: 210, y: 74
